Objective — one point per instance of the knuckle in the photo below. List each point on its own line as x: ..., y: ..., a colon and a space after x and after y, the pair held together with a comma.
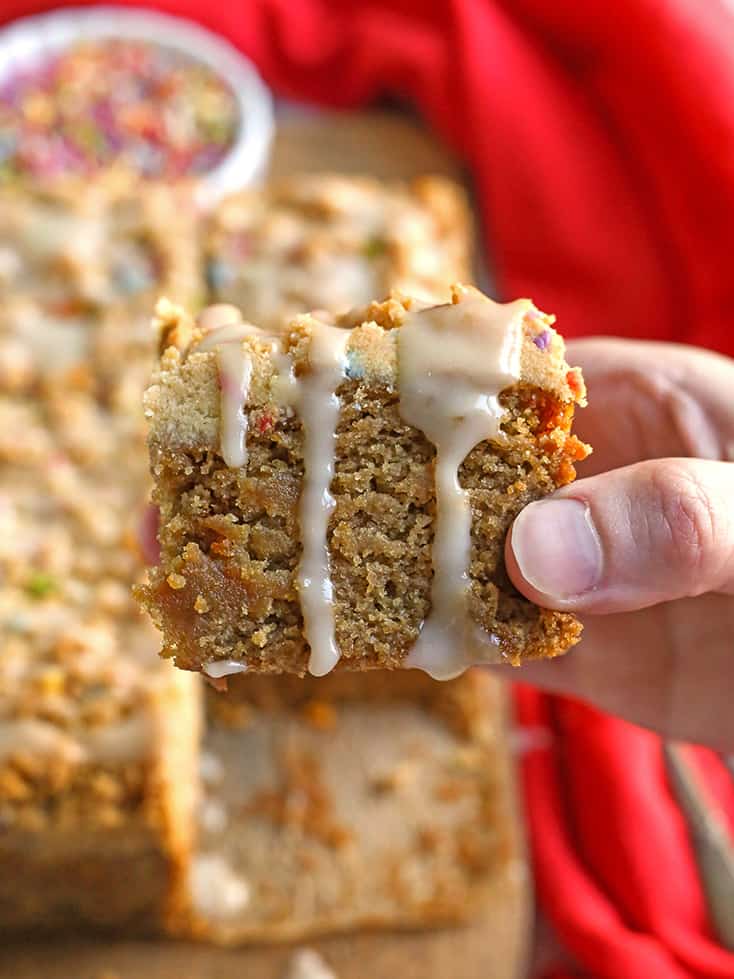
x: 687, y: 519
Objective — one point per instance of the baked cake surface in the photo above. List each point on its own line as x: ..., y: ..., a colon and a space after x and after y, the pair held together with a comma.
x: 323, y: 241
x: 321, y: 506
x: 347, y: 802
x: 97, y: 742
x: 81, y: 264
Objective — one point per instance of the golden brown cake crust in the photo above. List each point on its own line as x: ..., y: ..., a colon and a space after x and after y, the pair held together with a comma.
x: 231, y: 542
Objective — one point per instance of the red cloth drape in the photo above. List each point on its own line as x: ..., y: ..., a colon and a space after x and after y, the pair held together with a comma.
x: 601, y: 140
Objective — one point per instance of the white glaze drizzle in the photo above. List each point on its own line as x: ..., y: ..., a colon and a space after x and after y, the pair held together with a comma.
x: 319, y: 407
x: 306, y: 963
x: 217, y: 315
x: 229, y: 333
x: 313, y: 396
x: 235, y: 373
x: 226, y: 331
x: 453, y: 363
x: 119, y: 742
x: 216, y: 890
x: 218, y: 668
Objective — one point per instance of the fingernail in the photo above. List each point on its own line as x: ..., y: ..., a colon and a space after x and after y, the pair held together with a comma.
x: 557, y: 548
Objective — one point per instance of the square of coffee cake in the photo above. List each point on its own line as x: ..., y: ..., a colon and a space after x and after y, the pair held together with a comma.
x: 337, y: 494
x: 98, y: 737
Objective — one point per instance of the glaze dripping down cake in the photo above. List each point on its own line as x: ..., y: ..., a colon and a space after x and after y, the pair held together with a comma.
x: 337, y: 495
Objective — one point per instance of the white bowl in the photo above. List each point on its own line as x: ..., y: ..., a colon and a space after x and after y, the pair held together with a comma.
x: 27, y: 42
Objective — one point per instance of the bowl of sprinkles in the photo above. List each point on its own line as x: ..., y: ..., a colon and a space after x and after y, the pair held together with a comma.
x: 84, y: 90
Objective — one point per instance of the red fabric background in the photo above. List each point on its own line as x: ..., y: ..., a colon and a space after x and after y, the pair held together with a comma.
x: 601, y: 139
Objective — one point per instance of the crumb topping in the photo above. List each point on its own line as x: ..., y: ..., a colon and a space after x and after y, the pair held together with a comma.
x: 330, y: 242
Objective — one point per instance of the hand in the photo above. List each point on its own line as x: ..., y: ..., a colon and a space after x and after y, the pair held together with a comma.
x: 642, y: 546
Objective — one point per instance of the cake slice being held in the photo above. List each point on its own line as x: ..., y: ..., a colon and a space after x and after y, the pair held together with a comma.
x: 338, y: 496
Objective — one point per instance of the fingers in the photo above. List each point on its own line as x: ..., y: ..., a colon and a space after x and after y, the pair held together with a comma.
x: 669, y: 668
x: 628, y: 539
x: 666, y: 400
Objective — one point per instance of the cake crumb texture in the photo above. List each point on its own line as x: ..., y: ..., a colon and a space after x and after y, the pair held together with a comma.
x: 231, y: 539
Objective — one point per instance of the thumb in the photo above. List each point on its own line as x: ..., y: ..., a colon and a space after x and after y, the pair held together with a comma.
x: 629, y: 538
